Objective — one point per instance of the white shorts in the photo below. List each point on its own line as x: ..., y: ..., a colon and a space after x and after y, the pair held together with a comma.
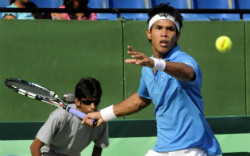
x: 185, y: 152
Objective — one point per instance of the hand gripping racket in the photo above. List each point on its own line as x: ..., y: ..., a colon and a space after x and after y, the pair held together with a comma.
x: 40, y: 93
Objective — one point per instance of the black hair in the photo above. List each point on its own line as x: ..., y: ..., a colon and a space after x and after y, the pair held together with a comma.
x: 88, y: 88
x: 165, y: 8
x: 83, y: 5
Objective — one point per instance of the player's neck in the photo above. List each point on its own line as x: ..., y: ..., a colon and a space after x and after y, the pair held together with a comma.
x: 159, y: 55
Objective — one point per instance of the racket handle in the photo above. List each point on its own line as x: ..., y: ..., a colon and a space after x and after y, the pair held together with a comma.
x: 80, y: 115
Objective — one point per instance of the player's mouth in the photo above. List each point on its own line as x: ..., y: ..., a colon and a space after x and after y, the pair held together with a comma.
x: 163, y: 43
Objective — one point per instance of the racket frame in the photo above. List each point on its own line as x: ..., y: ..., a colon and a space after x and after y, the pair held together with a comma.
x: 55, y: 101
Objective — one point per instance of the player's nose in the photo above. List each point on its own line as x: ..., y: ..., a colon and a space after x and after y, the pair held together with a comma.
x: 164, y: 33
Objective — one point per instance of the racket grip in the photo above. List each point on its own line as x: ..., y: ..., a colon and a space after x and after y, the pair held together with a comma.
x: 80, y: 115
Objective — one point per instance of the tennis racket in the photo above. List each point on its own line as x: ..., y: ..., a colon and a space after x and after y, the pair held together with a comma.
x: 40, y: 93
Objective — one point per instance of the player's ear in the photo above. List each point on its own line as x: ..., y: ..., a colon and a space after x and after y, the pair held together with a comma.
x: 148, y: 34
x: 77, y: 102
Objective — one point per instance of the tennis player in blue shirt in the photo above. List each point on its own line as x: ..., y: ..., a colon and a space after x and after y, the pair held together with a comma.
x: 172, y: 80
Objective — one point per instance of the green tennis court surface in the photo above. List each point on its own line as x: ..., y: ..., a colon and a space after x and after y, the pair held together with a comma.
x: 134, y: 146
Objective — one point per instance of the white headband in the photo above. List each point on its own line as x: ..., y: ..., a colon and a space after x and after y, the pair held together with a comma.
x: 163, y: 16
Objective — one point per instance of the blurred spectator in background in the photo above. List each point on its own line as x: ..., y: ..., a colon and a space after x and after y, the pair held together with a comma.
x: 74, y: 4
x: 21, y: 15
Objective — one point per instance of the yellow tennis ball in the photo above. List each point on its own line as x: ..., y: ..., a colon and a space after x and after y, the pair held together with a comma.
x: 223, y: 44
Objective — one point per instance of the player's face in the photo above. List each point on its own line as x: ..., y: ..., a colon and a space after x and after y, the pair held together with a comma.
x: 87, y: 105
x: 163, y: 36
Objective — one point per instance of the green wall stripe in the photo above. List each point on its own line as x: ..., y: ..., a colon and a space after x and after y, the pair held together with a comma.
x: 126, y: 128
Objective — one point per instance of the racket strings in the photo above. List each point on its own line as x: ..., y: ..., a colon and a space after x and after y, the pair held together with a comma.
x: 32, y: 89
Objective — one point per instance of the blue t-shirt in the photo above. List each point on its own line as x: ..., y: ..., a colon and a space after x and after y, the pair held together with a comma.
x: 178, y: 108
x: 18, y: 15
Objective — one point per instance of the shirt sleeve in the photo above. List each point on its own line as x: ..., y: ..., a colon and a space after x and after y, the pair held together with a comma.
x: 46, y: 132
x: 188, y: 60
x: 103, y: 138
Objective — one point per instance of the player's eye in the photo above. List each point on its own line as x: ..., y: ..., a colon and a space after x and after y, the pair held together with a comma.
x: 171, y: 28
x: 88, y: 102
x: 158, y: 27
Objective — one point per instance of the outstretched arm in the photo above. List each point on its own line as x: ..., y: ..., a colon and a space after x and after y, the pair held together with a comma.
x: 132, y: 104
x: 180, y: 71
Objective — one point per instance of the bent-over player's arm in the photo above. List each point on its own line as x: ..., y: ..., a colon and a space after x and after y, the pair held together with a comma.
x: 97, y: 151
x: 35, y: 147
